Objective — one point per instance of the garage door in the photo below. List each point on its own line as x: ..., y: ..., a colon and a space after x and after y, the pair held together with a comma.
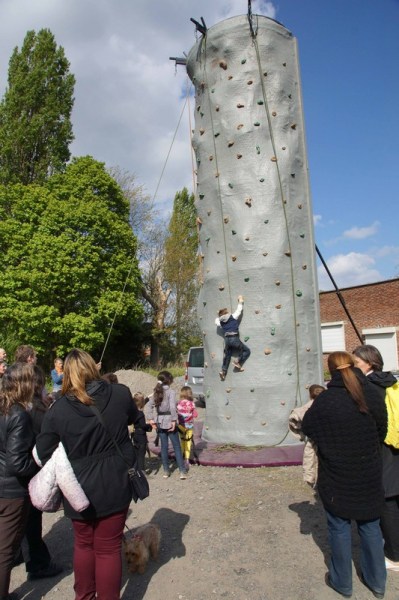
x: 385, y: 340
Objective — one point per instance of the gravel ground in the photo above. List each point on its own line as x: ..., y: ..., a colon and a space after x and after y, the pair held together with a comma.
x: 240, y: 534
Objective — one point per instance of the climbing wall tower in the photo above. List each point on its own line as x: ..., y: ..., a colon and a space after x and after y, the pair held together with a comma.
x: 256, y: 230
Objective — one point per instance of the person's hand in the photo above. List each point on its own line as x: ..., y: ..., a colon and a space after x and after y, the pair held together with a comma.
x: 98, y: 365
x: 172, y: 426
x: 241, y: 299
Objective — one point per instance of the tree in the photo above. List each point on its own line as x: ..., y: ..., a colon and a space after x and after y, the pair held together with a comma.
x: 35, y: 125
x: 181, y: 269
x: 68, y: 250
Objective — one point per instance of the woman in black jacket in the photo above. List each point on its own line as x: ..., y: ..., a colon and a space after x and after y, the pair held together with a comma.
x: 99, y: 468
x: 348, y: 423
x: 16, y: 464
x: 369, y: 360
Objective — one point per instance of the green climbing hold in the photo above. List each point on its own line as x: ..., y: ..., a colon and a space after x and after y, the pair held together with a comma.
x: 258, y: 150
x: 207, y: 239
x: 272, y: 330
x: 244, y: 60
x: 246, y: 338
x: 298, y: 293
x: 256, y: 123
x: 289, y: 373
x: 212, y: 90
x: 202, y: 196
x: 262, y: 179
x: 246, y: 279
x: 217, y: 134
x: 260, y: 102
x: 202, y: 114
x: 302, y: 235
x: 233, y: 232
x: 266, y: 222
x: 198, y: 161
x: 231, y: 185
x: 252, y: 390
x: 204, y: 303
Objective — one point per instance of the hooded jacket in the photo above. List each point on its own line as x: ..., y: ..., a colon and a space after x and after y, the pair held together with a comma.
x: 349, y: 449
x: 100, y: 470
x: 390, y: 456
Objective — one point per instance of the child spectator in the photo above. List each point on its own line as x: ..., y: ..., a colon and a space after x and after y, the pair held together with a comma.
x: 310, y: 462
x: 186, y: 413
x: 139, y: 435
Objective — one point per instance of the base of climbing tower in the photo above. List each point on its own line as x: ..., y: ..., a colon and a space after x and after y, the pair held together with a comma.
x: 212, y: 454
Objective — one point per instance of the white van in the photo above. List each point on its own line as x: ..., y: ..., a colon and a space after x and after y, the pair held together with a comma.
x: 194, y: 376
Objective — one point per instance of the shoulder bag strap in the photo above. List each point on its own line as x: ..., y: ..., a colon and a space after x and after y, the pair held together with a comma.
x: 100, y: 418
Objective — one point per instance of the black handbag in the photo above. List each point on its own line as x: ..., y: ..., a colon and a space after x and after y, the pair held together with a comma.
x: 138, y: 481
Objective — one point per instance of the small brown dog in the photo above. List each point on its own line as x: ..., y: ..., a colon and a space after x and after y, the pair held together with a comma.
x: 138, y: 547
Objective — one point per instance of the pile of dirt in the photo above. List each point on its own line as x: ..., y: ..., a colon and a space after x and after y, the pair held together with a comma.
x: 138, y: 381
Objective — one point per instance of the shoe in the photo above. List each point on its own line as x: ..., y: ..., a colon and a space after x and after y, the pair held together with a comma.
x: 222, y: 375
x: 18, y: 559
x: 375, y: 594
x: 166, y: 475
x: 238, y: 366
x: 330, y: 585
x: 183, y: 475
x: 187, y: 464
x: 51, y: 570
x: 391, y: 565
x: 12, y: 596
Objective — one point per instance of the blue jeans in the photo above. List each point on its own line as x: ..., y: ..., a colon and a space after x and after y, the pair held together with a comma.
x: 372, y: 560
x: 234, y: 344
x: 173, y: 436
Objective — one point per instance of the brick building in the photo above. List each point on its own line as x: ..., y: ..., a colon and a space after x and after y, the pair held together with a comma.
x: 374, y: 309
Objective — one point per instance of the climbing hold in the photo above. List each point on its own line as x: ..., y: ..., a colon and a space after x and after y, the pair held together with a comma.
x: 258, y: 152
x: 264, y: 423
x: 246, y: 338
x: 289, y: 373
x: 273, y: 159
x: 272, y: 331
x: 231, y: 185
x: 298, y: 293
x: 293, y: 126
x: 230, y: 144
x: 266, y: 221
x: 257, y: 312
x: 230, y: 77
x: 198, y: 107
x: 244, y: 60
x: 267, y: 351
x: 278, y: 306
x: 217, y: 108
x: 226, y: 219
x: 246, y: 279
x: 217, y: 174
x: 217, y: 251
x: 274, y: 114
x: 234, y: 258
x: 217, y: 134
x: 302, y: 235
x: 202, y: 196
x: 240, y: 126
x: 202, y: 114
x: 198, y: 161
x: 299, y: 206
x: 284, y: 64
x: 223, y: 64
x: 247, y: 238
x: 256, y: 123
x: 204, y: 303
x: 277, y: 282
x: 211, y: 157
x: 208, y: 239
x: 239, y: 156
x: 290, y: 96
x: 283, y: 148
x: 202, y: 131
x: 265, y: 74
x: 264, y: 253
x: 208, y: 212
x: 213, y: 355
x: 221, y: 287
x: 228, y: 416
x: 293, y: 175
x: 288, y: 253
x: 249, y: 82
x: 248, y: 201
x: 282, y: 403
x: 228, y: 390
x: 240, y: 105
x: 204, y: 333
x: 262, y: 179
x: 304, y: 267
x: 206, y: 365
x: 252, y: 390
x: 233, y: 232
x: 212, y: 90
x: 307, y: 349
x: 260, y: 102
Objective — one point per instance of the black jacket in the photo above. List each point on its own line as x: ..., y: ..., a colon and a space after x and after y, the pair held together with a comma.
x: 349, y: 449
x: 100, y: 470
x: 16, y: 443
x: 390, y: 456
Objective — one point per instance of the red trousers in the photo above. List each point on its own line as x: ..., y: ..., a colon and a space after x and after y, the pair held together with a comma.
x: 97, y: 562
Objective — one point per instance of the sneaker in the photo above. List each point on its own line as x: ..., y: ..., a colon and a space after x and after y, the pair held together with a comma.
x: 51, y: 570
x: 183, y: 475
x: 166, y: 475
x: 222, y: 375
x: 375, y: 594
x: 391, y: 565
x: 238, y: 366
x: 330, y: 585
x: 187, y: 464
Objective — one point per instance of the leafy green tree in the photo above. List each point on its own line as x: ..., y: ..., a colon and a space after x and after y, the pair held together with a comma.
x: 181, y: 269
x: 35, y: 112
x: 68, y: 252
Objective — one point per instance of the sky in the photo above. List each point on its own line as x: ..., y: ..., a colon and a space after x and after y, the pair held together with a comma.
x: 130, y: 98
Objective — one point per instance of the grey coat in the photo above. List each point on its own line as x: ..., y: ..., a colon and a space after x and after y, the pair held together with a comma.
x: 166, y: 412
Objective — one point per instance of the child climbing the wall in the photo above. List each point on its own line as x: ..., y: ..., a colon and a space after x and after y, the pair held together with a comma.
x: 139, y: 434
x: 186, y: 413
x: 309, y: 462
x: 232, y: 343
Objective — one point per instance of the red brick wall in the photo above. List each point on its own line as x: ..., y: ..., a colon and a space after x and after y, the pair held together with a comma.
x: 370, y: 306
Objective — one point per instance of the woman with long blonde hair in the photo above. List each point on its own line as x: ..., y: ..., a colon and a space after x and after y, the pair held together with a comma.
x: 101, y: 471
x: 348, y: 424
x: 16, y: 464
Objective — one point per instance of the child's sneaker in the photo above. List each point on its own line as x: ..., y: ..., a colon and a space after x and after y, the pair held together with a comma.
x: 222, y: 375
x: 187, y: 464
x: 183, y: 475
x: 238, y: 366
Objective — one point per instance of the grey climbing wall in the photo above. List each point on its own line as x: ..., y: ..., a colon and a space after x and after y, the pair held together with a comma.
x: 255, y: 226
